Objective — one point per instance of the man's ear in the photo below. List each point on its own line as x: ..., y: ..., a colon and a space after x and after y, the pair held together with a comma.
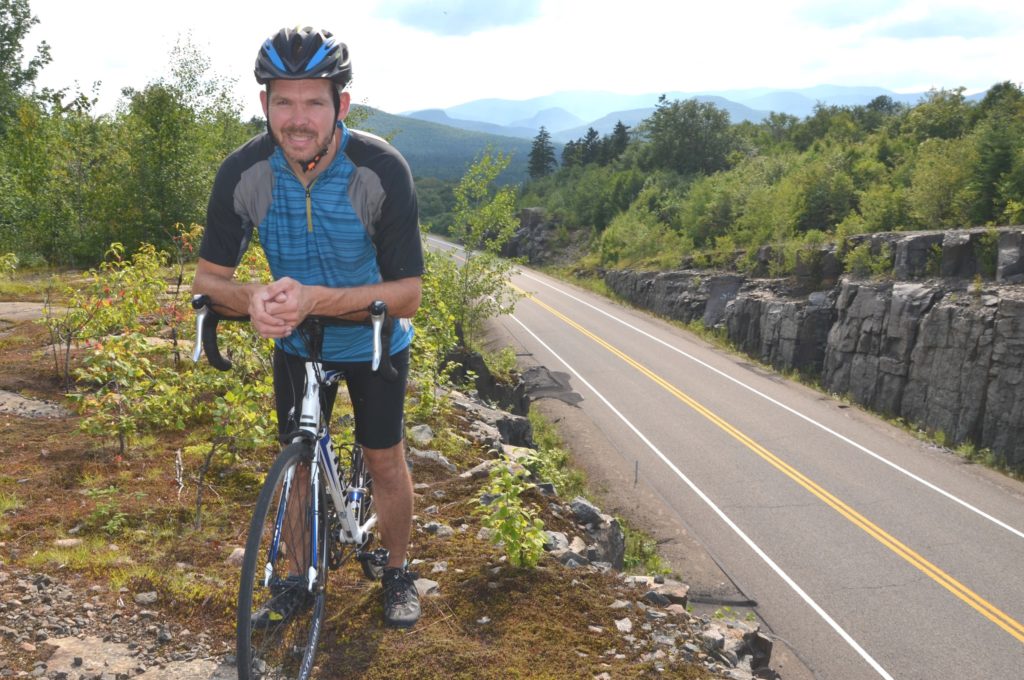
x: 263, y: 103
x: 344, y: 102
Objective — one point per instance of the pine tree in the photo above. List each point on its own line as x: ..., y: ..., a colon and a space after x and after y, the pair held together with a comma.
x: 542, y: 155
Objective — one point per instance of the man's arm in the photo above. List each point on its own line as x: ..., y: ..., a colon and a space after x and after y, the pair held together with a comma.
x: 292, y: 302
x: 218, y: 282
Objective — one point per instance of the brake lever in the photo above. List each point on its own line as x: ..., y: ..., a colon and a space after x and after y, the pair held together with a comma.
x: 381, y: 361
x: 200, y: 303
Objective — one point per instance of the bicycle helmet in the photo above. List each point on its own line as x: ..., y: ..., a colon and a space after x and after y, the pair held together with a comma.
x: 301, y: 53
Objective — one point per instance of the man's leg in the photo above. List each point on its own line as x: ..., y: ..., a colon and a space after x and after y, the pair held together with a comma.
x: 378, y: 405
x: 393, y: 498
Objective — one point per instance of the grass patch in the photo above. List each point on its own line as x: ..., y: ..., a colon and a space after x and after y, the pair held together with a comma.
x: 502, y: 364
x: 92, y: 556
x: 642, y: 553
x: 551, y: 462
x: 585, y: 278
x: 184, y: 588
x: 9, y: 503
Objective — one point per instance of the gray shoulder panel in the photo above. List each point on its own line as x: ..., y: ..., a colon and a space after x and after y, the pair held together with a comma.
x: 366, y: 193
x: 254, y: 192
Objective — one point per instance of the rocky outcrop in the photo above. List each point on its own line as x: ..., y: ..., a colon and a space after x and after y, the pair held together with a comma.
x: 782, y: 332
x: 683, y: 295
x: 945, y: 354
x: 541, y: 240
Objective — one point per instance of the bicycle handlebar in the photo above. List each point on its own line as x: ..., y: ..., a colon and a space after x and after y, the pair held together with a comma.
x: 207, y: 320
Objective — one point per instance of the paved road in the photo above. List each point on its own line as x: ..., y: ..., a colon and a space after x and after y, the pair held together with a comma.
x: 871, y: 553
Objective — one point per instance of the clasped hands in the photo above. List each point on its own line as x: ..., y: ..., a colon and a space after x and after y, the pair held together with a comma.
x: 279, y: 307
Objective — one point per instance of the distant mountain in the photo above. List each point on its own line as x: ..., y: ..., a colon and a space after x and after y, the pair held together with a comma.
x: 435, y: 150
x: 442, y: 143
x: 440, y: 117
x: 555, y: 118
x: 604, y: 109
x: 605, y: 124
x: 792, y: 103
x: 585, y: 105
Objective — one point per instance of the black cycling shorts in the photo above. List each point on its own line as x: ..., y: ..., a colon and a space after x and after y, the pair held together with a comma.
x: 378, y: 405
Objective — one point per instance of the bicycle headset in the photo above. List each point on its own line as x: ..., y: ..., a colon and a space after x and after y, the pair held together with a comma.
x: 304, y: 54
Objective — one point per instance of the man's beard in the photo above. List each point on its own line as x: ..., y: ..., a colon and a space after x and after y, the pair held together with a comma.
x: 312, y: 155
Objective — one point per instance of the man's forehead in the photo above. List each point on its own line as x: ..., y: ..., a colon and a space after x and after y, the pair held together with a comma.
x: 308, y: 87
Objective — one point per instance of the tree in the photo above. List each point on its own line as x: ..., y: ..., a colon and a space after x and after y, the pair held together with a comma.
x: 542, y: 155
x: 484, y: 221
x: 999, y: 140
x: 687, y: 137
x: 945, y: 114
x: 590, y: 146
x: 940, y: 193
x: 616, y: 143
x: 15, y: 22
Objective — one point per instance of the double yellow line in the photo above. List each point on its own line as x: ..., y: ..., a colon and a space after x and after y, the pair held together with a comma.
x: 962, y: 592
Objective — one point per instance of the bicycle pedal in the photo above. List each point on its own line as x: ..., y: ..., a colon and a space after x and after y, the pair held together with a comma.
x: 377, y: 558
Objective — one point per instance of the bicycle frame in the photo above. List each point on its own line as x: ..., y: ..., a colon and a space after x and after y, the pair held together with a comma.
x: 345, y: 497
x: 330, y: 521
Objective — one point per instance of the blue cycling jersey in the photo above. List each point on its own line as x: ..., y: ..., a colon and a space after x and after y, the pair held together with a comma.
x: 356, y: 224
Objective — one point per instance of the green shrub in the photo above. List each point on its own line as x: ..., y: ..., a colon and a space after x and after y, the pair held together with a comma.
x: 513, y: 524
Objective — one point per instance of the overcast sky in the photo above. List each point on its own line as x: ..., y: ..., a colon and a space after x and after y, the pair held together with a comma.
x: 417, y: 54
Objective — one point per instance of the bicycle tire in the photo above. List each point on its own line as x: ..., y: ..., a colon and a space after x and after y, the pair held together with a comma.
x: 268, y: 649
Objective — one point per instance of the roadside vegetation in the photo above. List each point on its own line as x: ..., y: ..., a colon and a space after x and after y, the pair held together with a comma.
x: 687, y: 185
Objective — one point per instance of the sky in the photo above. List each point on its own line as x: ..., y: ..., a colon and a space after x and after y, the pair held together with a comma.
x: 419, y: 54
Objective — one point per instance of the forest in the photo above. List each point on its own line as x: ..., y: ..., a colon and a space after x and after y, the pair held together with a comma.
x: 688, y: 183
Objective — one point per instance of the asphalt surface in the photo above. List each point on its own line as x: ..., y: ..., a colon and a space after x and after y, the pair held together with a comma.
x: 866, y: 552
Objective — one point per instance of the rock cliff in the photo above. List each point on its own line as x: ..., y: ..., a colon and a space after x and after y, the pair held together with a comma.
x: 946, y: 353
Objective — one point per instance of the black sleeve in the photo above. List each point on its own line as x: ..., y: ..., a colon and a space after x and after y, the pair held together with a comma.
x: 230, y: 215
x: 222, y: 239
x: 397, y: 233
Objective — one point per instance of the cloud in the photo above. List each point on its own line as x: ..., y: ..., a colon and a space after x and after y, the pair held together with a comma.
x: 910, y: 19
x: 842, y: 13
x: 961, y: 23
x: 458, y: 17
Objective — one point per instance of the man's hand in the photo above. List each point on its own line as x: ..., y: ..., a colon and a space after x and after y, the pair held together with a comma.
x: 278, y: 308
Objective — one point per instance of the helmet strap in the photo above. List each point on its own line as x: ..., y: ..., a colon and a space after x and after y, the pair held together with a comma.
x: 307, y: 166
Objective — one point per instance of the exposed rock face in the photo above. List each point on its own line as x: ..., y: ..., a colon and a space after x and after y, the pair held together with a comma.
x: 782, y: 332
x: 867, y: 354
x: 683, y: 295
x: 944, y: 354
x: 539, y: 240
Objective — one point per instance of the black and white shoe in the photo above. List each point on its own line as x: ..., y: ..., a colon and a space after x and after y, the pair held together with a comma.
x: 401, y: 600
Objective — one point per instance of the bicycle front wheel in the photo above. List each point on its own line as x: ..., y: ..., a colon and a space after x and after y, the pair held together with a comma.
x: 284, y: 573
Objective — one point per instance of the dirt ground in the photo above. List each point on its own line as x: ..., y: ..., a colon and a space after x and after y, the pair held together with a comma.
x: 104, y: 530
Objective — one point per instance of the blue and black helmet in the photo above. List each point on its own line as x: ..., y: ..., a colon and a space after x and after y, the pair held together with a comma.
x: 301, y: 53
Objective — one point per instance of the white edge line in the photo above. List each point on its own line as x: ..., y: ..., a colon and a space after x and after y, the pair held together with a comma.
x: 725, y: 518
x: 808, y: 419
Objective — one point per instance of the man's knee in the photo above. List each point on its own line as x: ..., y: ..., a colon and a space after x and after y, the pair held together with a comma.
x: 387, y: 465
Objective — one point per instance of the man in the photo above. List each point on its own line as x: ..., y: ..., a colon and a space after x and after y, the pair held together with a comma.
x: 336, y: 214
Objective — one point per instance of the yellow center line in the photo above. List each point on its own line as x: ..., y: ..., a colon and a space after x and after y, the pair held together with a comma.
x: 982, y: 606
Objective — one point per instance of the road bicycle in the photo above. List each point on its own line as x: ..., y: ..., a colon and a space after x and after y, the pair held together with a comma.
x: 314, y: 513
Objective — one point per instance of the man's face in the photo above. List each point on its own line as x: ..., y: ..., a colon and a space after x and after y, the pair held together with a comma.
x: 301, y: 115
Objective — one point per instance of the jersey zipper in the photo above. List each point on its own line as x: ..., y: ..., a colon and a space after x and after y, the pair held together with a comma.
x: 309, y: 205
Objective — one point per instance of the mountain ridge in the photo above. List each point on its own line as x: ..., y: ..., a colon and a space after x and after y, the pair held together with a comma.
x: 603, y: 109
